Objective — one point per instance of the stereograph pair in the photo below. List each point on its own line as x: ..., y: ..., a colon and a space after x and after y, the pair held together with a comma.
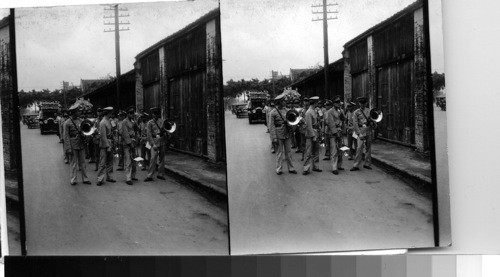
x: 223, y: 128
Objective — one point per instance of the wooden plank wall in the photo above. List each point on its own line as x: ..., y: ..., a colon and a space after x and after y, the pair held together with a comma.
x: 186, y: 75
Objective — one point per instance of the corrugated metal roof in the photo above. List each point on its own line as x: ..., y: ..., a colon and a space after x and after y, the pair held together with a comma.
x: 106, y: 85
x: 202, y: 20
x: 410, y: 8
x: 320, y: 72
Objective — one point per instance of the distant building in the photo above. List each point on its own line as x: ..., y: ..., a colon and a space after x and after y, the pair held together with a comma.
x: 298, y: 74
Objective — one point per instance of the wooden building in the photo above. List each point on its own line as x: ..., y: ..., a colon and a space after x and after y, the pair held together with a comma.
x: 387, y: 63
x: 314, y: 85
x: 183, y: 74
x: 105, y: 94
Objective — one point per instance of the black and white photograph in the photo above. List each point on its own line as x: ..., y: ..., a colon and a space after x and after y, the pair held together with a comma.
x: 122, y: 129
x: 333, y: 125
x: 11, y: 208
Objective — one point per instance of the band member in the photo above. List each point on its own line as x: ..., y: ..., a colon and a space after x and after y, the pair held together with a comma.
x: 351, y: 142
x: 120, y: 143
x: 64, y: 117
x: 96, y: 137
x: 74, y: 144
x: 106, y: 151
x: 157, y: 138
x: 60, y: 121
x: 363, y: 128
x: 333, y: 122
x: 324, y: 109
x: 274, y: 144
x: 302, y: 127
x: 145, y: 152
x: 129, y: 141
x: 281, y: 135
x: 312, y: 138
x: 267, y: 111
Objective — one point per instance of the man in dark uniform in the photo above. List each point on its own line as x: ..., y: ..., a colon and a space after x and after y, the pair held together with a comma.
x: 129, y: 141
x: 312, y: 138
x: 363, y: 127
x: 74, y: 144
x: 157, y: 138
x: 106, y: 151
x: 281, y: 135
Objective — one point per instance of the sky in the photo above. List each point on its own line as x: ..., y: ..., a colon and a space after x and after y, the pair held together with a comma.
x: 263, y: 35
x: 68, y: 43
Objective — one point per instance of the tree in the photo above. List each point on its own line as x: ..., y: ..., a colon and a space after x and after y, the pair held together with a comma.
x: 27, y: 99
x: 234, y: 89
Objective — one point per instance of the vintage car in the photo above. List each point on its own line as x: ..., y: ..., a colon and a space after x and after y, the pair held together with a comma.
x: 31, y: 120
x: 441, y: 102
x: 240, y: 110
x: 256, y: 104
x: 48, y: 121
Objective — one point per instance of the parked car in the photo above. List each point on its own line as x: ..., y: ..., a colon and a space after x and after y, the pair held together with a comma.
x: 31, y: 120
x: 256, y: 103
x: 240, y: 110
x: 441, y: 102
x: 48, y: 121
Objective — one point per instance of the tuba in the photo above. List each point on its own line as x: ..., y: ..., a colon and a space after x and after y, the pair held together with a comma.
x: 376, y: 115
x: 293, y: 117
x: 87, y: 127
x: 169, y: 126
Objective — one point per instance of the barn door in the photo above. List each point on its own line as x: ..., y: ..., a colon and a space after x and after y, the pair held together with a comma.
x: 395, y: 99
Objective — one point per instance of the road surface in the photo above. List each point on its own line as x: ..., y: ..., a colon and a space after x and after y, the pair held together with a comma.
x: 155, y: 218
x: 368, y: 209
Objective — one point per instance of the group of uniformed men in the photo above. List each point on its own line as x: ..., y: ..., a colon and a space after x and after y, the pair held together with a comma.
x: 124, y: 136
x: 323, y: 123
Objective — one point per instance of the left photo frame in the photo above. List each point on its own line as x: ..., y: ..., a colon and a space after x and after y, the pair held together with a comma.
x: 11, y: 195
x: 120, y: 125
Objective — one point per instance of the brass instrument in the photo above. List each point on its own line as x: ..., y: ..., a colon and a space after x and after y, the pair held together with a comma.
x: 293, y: 117
x: 87, y: 127
x: 376, y: 115
x: 169, y: 126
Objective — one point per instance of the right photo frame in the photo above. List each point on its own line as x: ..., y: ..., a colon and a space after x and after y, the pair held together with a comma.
x: 335, y: 124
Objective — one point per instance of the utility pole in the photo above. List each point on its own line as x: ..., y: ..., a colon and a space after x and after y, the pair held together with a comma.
x: 117, y: 30
x: 325, y: 19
